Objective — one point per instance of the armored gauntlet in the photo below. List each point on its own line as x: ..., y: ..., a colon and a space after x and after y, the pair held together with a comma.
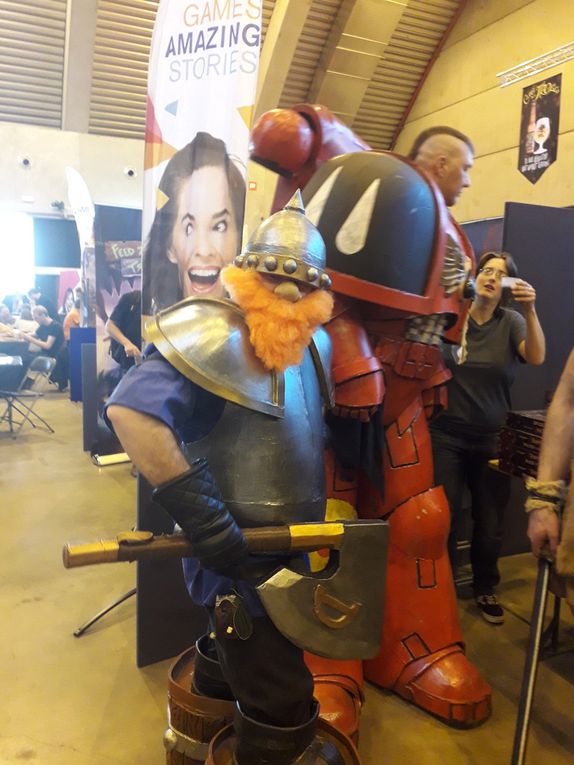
x: 194, y: 501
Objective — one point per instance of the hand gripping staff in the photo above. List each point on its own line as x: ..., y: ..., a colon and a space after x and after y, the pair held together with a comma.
x: 549, y: 495
x: 336, y: 613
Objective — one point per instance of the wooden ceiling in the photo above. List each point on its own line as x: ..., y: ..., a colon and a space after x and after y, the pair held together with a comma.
x: 364, y: 59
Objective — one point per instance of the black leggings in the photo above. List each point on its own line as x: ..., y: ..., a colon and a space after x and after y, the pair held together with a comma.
x: 267, y: 675
x: 461, y: 463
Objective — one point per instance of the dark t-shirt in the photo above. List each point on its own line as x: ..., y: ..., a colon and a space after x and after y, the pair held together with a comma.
x: 49, y: 306
x: 127, y: 316
x: 479, y: 392
x: 51, y: 330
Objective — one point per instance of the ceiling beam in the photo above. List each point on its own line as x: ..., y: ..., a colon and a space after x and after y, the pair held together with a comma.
x: 355, y: 46
x: 285, y: 27
x: 425, y: 74
x: 78, y: 58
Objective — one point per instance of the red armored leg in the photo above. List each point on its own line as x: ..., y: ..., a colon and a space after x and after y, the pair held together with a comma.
x: 422, y: 656
x: 338, y: 684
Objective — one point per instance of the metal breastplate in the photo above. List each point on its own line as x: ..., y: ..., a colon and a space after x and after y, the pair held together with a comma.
x: 270, y: 470
x: 263, y: 432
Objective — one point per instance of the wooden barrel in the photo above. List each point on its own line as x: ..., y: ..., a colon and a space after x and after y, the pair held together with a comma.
x: 222, y: 746
x: 193, y: 720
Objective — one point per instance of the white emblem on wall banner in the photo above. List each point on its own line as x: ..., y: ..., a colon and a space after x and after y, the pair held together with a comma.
x: 201, y: 92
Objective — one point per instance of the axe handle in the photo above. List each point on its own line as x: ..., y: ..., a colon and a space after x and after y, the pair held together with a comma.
x: 531, y: 663
x: 141, y: 546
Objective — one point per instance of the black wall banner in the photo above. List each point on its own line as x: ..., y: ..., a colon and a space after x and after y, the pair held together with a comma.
x: 538, y: 144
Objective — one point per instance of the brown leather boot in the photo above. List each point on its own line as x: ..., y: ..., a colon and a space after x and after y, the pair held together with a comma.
x: 208, y: 678
x: 271, y: 745
x: 249, y: 742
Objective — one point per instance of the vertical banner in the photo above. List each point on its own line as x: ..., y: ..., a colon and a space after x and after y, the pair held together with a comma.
x: 201, y: 92
x: 118, y: 278
x: 82, y: 207
x: 538, y: 143
x: 111, y: 267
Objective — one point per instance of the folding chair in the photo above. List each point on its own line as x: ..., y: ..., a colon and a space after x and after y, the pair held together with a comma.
x: 21, y: 401
x: 39, y: 373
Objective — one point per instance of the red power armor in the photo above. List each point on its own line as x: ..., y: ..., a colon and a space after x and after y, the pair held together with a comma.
x: 295, y: 142
x: 399, y: 263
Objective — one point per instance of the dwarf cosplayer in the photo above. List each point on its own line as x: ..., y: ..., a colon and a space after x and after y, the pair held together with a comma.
x: 225, y: 418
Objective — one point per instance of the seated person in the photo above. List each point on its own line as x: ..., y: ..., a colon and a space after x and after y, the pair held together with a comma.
x: 14, y: 303
x: 6, y: 321
x: 26, y: 323
x: 37, y: 298
x: 49, y: 338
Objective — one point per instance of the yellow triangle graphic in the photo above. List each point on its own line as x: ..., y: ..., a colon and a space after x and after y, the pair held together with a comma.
x: 161, y: 199
x: 156, y: 153
x: 246, y: 114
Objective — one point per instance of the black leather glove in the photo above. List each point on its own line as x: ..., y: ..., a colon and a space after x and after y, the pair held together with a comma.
x: 194, y: 501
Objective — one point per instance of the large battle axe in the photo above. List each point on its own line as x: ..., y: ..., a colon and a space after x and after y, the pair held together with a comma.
x: 336, y: 613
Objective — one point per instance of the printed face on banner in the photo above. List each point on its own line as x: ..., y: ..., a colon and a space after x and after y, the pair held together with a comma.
x: 205, y: 237
x: 201, y: 91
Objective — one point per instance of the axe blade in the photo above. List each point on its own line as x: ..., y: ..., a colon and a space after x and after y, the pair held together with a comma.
x: 340, y: 615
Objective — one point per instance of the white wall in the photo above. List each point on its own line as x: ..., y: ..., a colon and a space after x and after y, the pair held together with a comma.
x: 462, y: 91
x: 100, y: 160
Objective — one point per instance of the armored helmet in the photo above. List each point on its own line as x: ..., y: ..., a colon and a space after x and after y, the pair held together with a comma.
x: 287, y: 245
x: 387, y: 234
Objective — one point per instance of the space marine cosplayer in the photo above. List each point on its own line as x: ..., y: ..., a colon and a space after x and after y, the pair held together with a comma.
x: 399, y: 263
x: 225, y: 418
x: 400, y: 277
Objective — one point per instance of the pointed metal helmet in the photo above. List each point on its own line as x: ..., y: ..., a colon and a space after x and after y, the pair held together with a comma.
x: 287, y: 245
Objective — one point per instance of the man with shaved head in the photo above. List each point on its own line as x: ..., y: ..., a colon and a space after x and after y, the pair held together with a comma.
x: 447, y: 156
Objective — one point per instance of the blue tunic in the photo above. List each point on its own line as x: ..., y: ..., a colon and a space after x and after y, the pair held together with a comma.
x: 157, y: 389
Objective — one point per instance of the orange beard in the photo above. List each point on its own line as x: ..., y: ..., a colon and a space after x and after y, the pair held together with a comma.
x: 279, y: 330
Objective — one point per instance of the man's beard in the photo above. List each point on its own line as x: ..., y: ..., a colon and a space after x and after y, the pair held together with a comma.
x: 278, y: 330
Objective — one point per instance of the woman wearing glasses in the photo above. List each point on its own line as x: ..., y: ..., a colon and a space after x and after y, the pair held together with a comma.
x: 465, y: 436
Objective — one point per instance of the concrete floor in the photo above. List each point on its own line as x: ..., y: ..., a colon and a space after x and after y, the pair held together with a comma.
x: 82, y: 701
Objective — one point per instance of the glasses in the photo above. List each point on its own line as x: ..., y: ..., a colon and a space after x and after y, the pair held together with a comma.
x: 496, y: 272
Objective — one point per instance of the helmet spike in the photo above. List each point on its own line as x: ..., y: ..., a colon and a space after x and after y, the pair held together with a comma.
x: 296, y: 203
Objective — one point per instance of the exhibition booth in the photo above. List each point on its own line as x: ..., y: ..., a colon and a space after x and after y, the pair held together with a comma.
x: 331, y: 445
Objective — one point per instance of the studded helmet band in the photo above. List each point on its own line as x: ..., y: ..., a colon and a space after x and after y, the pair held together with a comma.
x: 287, y: 244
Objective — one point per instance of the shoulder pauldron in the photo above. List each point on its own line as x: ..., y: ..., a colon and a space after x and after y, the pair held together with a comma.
x: 207, y: 341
